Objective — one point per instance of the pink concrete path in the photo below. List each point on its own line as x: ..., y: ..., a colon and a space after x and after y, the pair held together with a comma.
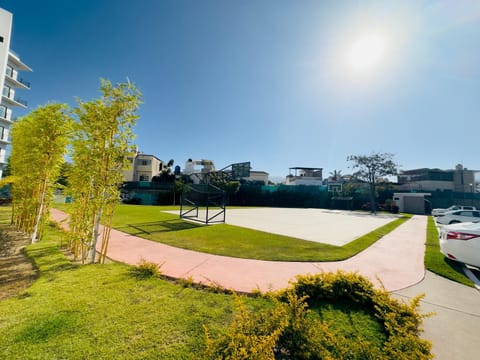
x: 394, y: 262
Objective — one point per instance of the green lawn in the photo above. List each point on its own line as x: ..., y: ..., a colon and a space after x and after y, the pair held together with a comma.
x: 150, y: 222
x: 105, y: 312
x: 436, y: 262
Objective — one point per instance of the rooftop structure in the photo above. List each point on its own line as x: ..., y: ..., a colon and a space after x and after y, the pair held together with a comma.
x: 304, y: 176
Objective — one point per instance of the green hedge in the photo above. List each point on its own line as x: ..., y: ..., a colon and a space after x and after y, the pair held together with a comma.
x: 290, y: 331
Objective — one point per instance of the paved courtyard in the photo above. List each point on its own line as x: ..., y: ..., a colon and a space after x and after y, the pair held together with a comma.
x: 334, y: 227
x: 324, y: 226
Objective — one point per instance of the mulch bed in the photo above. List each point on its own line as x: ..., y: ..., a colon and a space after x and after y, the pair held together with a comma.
x: 16, y: 270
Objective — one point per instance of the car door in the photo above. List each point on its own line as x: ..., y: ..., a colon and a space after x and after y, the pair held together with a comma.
x: 465, y: 215
x: 476, y: 216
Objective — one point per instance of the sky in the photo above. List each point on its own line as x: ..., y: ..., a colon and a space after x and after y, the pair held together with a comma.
x: 278, y: 83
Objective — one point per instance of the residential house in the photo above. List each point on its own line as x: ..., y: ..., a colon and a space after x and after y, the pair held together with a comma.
x: 143, y: 167
x: 304, y: 176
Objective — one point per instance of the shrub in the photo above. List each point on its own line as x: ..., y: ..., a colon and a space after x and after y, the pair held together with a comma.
x: 290, y: 331
x: 146, y: 269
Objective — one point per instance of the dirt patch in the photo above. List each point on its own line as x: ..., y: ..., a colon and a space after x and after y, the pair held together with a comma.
x: 16, y: 270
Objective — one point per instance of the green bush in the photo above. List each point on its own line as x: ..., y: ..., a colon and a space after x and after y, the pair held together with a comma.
x: 290, y: 330
x: 146, y: 269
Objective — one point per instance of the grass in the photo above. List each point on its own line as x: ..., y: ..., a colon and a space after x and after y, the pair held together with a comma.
x: 150, y: 222
x: 436, y: 262
x: 105, y: 312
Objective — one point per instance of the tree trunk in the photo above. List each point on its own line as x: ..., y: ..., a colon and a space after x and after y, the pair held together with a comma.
x: 40, y: 211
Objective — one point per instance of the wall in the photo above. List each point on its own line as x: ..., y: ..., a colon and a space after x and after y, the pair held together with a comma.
x: 5, y: 32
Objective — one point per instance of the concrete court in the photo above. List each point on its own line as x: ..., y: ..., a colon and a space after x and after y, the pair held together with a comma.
x: 324, y: 226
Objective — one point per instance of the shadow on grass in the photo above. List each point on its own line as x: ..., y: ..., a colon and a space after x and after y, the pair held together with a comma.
x: 157, y: 227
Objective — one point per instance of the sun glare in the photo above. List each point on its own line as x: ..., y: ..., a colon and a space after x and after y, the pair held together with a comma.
x: 366, y: 52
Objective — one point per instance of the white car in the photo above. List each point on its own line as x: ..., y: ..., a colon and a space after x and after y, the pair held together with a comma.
x: 437, y: 212
x: 459, y: 216
x: 461, y: 242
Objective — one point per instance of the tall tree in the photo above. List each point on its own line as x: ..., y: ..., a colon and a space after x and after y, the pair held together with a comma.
x: 39, y: 142
x: 102, y: 141
x: 372, y: 167
x: 335, y: 175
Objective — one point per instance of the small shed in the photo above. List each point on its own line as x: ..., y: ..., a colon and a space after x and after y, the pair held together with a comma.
x: 413, y: 203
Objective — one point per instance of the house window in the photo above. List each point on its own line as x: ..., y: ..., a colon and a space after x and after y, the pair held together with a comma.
x: 143, y: 178
x: 145, y: 162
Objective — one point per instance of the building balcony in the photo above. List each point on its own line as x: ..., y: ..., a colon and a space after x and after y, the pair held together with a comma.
x: 17, y: 82
x: 14, y: 101
x: 15, y: 61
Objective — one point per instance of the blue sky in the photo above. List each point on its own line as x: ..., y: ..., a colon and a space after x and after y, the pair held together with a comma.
x: 272, y: 82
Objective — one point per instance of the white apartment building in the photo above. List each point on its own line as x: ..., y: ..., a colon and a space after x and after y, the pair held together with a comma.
x: 10, y: 82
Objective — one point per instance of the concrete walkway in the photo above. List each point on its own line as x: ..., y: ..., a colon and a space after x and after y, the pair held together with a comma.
x: 395, y: 261
x: 454, y: 329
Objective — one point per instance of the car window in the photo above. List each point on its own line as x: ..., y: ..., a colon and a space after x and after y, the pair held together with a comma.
x: 466, y: 213
x: 468, y: 208
x: 476, y: 213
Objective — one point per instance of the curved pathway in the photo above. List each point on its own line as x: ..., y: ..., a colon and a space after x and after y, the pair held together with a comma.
x: 394, y: 262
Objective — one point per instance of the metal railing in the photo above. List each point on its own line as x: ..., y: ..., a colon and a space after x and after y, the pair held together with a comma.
x: 24, y: 82
x: 21, y: 101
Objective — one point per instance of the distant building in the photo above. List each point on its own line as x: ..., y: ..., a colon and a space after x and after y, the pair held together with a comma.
x: 198, y: 169
x: 257, y: 177
x: 304, y: 176
x: 143, y: 167
x: 10, y: 81
x: 459, y: 180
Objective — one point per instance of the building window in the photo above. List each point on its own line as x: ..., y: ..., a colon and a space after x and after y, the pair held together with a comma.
x: 6, y: 91
x: 143, y: 178
x: 9, y: 71
x: 2, y: 132
x: 3, y: 111
x: 145, y: 162
x: 1, y: 38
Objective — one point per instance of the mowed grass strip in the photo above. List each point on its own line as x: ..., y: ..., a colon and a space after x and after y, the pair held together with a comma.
x: 105, y: 312
x: 436, y: 262
x: 151, y: 222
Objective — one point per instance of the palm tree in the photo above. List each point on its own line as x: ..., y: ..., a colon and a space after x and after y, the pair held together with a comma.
x: 335, y: 175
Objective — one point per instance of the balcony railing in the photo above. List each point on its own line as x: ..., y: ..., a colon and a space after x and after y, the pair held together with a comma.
x: 24, y: 82
x: 21, y: 101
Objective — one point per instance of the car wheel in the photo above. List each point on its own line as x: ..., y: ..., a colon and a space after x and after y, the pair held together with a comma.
x: 453, y: 222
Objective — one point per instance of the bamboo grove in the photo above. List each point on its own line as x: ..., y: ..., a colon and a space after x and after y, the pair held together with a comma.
x: 39, y: 142
x: 99, y: 135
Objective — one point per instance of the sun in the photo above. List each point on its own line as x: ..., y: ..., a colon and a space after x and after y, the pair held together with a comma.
x: 367, y: 52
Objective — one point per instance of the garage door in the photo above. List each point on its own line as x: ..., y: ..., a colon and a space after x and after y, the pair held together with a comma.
x: 414, y: 205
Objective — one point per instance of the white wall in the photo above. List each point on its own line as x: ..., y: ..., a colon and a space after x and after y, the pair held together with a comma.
x: 5, y: 32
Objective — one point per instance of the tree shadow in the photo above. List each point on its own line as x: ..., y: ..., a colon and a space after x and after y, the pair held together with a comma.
x: 158, y: 227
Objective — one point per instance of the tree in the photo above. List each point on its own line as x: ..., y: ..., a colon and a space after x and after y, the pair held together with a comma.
x: 371, y: 168
x: 102, y: 142
x: 39, y: 142
x: 336, y: 175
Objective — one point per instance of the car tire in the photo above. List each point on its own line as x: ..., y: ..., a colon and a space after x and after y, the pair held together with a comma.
x: 454, y: 222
